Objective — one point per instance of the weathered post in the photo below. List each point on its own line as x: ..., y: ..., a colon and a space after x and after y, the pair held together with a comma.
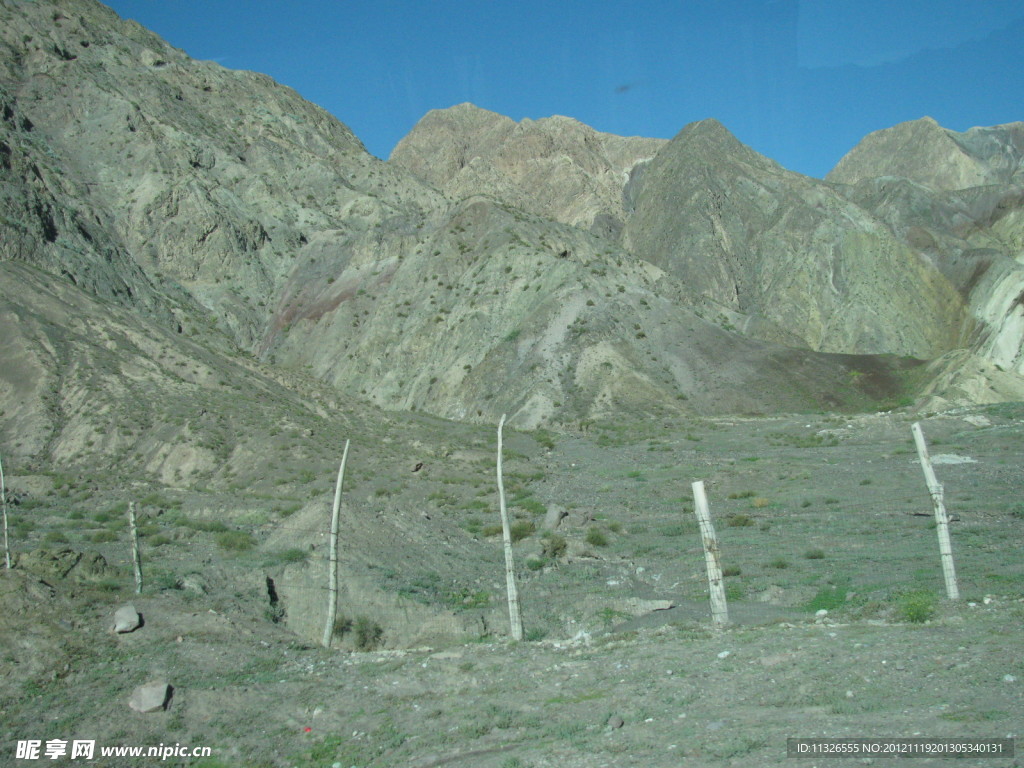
x: 3, y: 501
x: 136, y: 555
x: 515, y: 617
x: 712, y: 556
x: 332, y: 585
x: 941, y: 518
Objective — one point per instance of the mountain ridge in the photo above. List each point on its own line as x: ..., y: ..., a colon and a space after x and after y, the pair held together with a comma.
x: 538, y: 268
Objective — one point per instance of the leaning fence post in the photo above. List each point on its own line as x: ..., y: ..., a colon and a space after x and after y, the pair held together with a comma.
x: 712, y: 556
x: 136, y: 556
x: 515, y: 617
x: 941, y: 519
x: 3, y: 499
x: 332, y: 586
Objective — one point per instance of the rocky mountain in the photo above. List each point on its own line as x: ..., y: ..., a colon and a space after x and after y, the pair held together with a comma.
x: 958, y: 199
x: 943, y: 160
x: 207, y: 286
x: 791, y: 254
x: 540, y: 269
x: 555, y: 167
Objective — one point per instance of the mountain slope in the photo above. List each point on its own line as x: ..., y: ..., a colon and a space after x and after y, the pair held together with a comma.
x: 196, y: 171
x: 737, y: 228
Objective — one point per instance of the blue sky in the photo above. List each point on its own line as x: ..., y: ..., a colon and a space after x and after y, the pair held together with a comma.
x: 800, y: 81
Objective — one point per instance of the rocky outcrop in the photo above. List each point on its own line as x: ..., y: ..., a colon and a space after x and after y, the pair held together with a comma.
x: 555, y: 167
x: 943, y: 160
x: 775, y: 246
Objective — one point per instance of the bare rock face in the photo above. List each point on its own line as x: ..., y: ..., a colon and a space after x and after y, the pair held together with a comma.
x: 943, y: 160
x: 737, y: 228
x: 161, y: 173
x: 554, y: 167
x: 174, y: 213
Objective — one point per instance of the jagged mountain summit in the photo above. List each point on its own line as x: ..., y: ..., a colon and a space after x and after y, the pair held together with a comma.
x: 926, y: 153
x: 540, y: 269
x: 555, y: 167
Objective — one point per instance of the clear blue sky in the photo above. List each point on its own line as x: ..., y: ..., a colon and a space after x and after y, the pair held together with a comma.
x: 798, y: 80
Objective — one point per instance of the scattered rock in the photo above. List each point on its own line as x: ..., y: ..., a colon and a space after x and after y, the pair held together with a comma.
x: 151, y: 697
x: 126, y: 619
x: 952, y: 458
x: 615, y: 722
x: 773, y: 595
x: 724, y: 654
x: 194, y: 583
x: 554, y: 517
x: 1009, y: 679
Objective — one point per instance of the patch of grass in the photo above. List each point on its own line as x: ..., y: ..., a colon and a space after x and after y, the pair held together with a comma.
x: 285, y: 556
x: 521, y: 529
x: 545, y: 438
x: 760, y: 502
x: 829, y: 598
x: 741, y: 495
x: 678, y: 529
x: 815, y: 554
x: 103, y: 537
x: 207, y: 526
x: 779, y: 563
x: 531, y: 505
x: 739, y: 521
x: 733, y: 571
x: 236, y: 541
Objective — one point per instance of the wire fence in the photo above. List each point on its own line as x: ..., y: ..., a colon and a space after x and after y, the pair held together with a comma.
x: 833, y: 554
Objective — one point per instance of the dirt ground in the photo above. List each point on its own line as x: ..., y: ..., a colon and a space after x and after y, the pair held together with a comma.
x: 813, y: 513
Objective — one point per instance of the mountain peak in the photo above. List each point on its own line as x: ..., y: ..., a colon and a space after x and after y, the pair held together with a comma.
x: 924, y: 152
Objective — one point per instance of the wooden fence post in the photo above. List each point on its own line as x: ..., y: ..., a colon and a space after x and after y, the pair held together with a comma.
x: 3, y: 500
x: 515, y: 617
x: 712, y: 556
x: 136, y: 555
x: 332, y: 585
x: 941, y: 519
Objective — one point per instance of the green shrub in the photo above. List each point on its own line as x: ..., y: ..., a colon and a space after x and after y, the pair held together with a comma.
x: 916, y: 607
x: 554, y: 546
x: 520, y: 529
x: 597, y: 538
x: 342, y: 626
x: 369, y: 633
